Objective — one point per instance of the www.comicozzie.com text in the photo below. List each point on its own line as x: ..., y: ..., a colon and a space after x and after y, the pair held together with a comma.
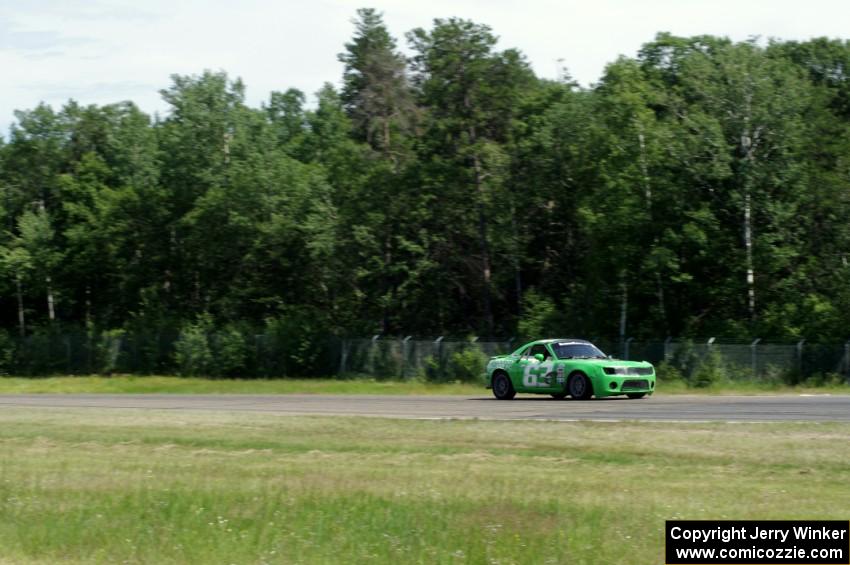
x: 756, y: 533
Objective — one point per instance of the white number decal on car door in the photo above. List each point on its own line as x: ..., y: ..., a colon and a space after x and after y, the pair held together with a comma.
x: 533, y: 372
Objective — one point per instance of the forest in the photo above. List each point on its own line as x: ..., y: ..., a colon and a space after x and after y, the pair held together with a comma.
x: 700, y: 188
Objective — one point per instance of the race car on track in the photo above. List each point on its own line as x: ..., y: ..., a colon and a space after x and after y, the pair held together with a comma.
x: 562, y: 367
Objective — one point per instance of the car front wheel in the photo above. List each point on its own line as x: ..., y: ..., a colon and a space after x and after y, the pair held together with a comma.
x: 503, y: 389
x: 579, y: 386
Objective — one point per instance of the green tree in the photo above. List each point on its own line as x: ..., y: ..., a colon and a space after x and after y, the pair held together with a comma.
x: 33, y: 248
x: 205, y: 131
x: 471, y: 94
x: 17, y: 263
x: 285, y: 111
x: 376, y: 93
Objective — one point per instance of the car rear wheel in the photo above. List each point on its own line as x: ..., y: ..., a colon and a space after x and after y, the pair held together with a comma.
x: 503, y: 389
x: 636, y: 395
x: 579, y: 386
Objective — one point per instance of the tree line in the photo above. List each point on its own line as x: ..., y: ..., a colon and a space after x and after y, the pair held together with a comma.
x: 701, y: 187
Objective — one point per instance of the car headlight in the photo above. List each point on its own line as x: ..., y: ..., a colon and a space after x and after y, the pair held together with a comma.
x: 614, y: 370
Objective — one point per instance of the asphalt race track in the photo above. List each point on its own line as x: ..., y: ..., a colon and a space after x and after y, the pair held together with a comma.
x: 690, y: 408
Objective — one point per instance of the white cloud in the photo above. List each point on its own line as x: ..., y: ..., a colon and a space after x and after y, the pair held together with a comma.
x: 111, y: 50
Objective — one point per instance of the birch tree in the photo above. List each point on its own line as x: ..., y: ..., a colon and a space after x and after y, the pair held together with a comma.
x: 759, y: 103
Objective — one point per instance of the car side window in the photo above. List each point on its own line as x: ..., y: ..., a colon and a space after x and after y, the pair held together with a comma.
x: 541, y: 349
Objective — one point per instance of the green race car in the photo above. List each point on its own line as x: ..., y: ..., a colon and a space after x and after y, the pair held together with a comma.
x: 561, y: 367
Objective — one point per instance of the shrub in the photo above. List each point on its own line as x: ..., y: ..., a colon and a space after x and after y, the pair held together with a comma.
x: 192, y: 349
x: 386, y: 359
x: 468, y: 365
x: 773, y: 375
x: 230, y: 352
x: 296, y: 343
x: 667, y: 373
x: 824, y: 379
x: 711, y: 370
x: 430, y: 369
x: 108, y: 351
x: 685, y: 359
x: 7, y: 352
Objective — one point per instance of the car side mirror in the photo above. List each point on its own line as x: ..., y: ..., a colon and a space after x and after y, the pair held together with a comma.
x: 539, y: 357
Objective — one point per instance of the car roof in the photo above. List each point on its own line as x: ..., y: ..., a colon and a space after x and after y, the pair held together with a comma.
x: 564, y: 339
x: 550, y: 341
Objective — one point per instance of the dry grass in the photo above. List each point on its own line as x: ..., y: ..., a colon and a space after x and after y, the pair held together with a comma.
x: 131, y: 384
x: 184, y: 487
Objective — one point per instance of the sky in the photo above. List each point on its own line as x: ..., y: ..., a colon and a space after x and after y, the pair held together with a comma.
x: 105, y: 51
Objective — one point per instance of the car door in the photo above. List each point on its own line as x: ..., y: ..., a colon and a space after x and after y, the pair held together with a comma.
x: 517, y: 369
x: 533, y: 373
x: 541, y: 373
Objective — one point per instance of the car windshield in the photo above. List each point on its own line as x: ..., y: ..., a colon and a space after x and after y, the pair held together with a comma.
x: 573, y: 350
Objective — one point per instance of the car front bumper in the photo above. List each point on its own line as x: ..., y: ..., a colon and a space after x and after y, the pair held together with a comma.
x: 612, y: 385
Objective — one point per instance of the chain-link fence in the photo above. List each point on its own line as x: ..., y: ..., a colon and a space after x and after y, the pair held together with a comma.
x: 433, y: 359
x: 438, y: 359
x: 753, y: 359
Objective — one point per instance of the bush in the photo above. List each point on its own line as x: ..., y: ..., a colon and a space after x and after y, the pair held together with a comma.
x: 685, y: 359
x: 773, y: 375
x: 43, y: 352
x: 7, y: 352
x: 468, y: 365
x: 386, y: 361
x: 667, y: 373
x: 430, y: 369
x: 108, y: 351
x: 824, y: 379
x: 192, y: 349
x: 711, y: 370
x: 296, y: 344
x: 230, y: 352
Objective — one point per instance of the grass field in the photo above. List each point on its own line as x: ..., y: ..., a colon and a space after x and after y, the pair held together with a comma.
x: 192, y: 385
x: 199, y: 487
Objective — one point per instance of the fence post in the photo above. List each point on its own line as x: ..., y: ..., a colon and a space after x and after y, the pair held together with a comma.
x: 89, y: 364
x: 438, y: 351
x: 404, y: 352
x: 135, y: 341
x: 437, y: 343
x: 67, y: 353
x: 847, y: 359
x: 343, y: 356
x: 626, y: 348
x: 372, y: 347
x: 800, y: 358
x: 754, y: 356
x: 158, y: 352
x: 259, y: 363
x: 708, y: 345
x: 667, y: 353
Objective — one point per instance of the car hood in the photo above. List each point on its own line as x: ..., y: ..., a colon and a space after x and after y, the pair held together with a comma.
x: 610, y: 362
